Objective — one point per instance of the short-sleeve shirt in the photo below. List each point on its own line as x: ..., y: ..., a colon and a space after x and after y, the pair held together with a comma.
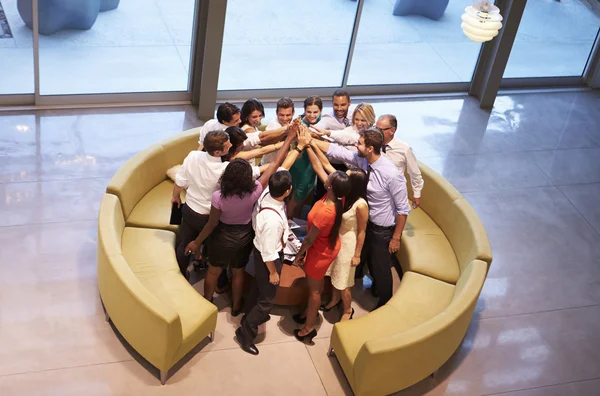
x: 323, y: 217
x: 236, y: 210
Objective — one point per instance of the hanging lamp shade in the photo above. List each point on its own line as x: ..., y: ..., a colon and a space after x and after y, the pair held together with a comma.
x: 481, y: 21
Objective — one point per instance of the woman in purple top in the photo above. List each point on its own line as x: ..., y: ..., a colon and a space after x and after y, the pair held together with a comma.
x: 229, y: 224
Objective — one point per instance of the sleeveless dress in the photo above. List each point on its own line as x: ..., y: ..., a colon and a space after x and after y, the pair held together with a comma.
x: 341, y: 271
x: 320, y: 255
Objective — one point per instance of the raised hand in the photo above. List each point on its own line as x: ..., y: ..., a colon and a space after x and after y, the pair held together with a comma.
x: 304, y: 137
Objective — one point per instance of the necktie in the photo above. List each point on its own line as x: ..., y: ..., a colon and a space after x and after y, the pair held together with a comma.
x: 384, y: 148
x: 369, y: 169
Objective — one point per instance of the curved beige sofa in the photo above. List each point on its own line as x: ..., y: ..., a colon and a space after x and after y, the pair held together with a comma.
x: 445, y: 255
x: 145, y: 296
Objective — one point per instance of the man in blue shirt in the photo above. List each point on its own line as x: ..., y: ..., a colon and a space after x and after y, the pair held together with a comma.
x: 388, y: 205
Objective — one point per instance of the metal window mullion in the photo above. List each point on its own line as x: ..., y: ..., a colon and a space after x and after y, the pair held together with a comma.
x: 36, y: 51
x: 352, y: 43
x: 592, y: 71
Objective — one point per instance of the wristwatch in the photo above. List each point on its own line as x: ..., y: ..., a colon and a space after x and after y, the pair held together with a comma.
x: 298, y: 149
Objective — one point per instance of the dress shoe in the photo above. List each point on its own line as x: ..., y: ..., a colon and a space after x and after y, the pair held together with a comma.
x: 307, y: 337
x: 246, y: 345
x: 235, y: 312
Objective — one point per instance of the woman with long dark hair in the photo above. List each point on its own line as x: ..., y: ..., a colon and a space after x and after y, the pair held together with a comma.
x: 251, y: 115
x: 321, y: 245
x: 352, y: 233
x: 229, y: 224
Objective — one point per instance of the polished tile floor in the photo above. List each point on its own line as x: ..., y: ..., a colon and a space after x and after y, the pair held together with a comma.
x: 530, y: 168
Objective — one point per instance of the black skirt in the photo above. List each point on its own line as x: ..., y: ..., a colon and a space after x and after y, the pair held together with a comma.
x: 230, y: 245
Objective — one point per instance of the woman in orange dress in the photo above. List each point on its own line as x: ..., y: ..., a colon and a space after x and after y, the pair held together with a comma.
x: 321, y: 245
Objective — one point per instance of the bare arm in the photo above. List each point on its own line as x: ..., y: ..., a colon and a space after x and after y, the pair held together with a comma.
x: 362, y: 216
x: 321, y: 145
x: 273, y: 135
x: 273, y: 166
x: 316, y: 164
x: 213, y: 221
x: 326, y: 164
x: 259, y: 151
x: 176, y: 197
x: 308, y: 241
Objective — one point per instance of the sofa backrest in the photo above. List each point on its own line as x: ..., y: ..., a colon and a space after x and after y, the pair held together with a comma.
x: 140, y: 174
x: 177, y: 147
x: 455, y: 217
x: 437, y: 195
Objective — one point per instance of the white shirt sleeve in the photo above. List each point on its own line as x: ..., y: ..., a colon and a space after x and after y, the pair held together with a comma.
x: 347, y: 136
x: 181, y: 179
x: 273, y: 125
x: 412, y: 167
x: 252, y: 141
x: 255, y: 172
x: 270, y: 231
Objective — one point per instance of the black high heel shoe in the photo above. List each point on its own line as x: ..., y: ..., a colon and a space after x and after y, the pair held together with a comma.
x: 300, y: 320
x: 324, y: 308
x: 351, y: 314
x: 305, y: 337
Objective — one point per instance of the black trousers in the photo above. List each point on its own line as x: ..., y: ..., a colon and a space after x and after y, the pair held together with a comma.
x: 379, y: 260
x: 191, y: 226
x: 261, y: 299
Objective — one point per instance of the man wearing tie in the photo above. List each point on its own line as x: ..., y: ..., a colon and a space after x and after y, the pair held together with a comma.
x: 388, y: 205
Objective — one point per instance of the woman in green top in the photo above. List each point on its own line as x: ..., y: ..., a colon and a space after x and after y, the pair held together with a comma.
x: 303, y: 175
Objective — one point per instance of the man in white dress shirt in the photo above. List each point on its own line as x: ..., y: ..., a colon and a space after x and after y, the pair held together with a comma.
x: 199, y: 176
x: 401, y: 154
x: 339, y: 118
x: 271, y: 229
x: 227, y: 115
x: 285, y: 113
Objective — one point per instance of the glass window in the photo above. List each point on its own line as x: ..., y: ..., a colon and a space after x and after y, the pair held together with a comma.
x: 126, y: 46
x: 285, y: 44
x: 411, y: 48
x: 554, y: 38
x: 16, y: 50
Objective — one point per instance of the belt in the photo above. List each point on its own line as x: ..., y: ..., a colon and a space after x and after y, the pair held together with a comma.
x: 378, y: 227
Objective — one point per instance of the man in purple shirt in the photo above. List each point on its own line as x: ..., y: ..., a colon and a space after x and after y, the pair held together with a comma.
x: 388, y: 205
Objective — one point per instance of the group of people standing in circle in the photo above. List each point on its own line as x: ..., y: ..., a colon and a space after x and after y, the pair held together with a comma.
x: 352, y: 166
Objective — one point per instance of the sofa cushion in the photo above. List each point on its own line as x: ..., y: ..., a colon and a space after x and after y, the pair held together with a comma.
x: 428, y: 253
x: 418, y: 299
x: 154, y: 209
x: 419, y: 220
x: 151, y: 256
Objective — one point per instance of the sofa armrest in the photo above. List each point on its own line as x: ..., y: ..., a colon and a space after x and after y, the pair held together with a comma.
x: 151, y: 327
x: 386, y: 365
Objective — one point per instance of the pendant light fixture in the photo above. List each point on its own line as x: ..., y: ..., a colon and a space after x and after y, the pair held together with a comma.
x: 481, y: 21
